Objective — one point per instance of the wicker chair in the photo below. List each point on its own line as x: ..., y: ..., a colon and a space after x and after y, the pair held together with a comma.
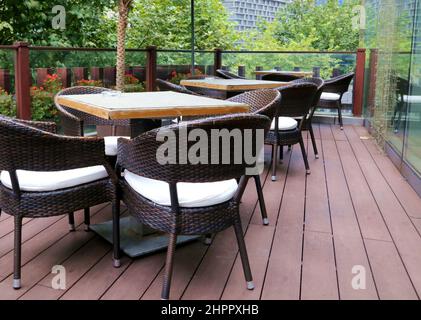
x: 224, y: 74
x: 264, y: 102
x: 296, y: 101
x: 307, y: 124
x: 45, y: 174
x: 168, y: 86
x: 280, y: 77
x: 333, y: 90
x: 195, y: 198
x: 73, y: 121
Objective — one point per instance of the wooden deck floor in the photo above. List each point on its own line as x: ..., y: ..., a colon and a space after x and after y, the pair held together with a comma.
x: 355, y: 209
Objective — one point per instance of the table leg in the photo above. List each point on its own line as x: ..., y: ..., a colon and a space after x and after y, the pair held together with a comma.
x: 137, y: 239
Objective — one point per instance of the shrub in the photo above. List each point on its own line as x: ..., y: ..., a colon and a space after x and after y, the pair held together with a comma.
x: 176, y: 77
x: 52, y: 83
x: 89, y: 83
x: 42, y: 104
x: 7, y: 103
x: 130, y: 79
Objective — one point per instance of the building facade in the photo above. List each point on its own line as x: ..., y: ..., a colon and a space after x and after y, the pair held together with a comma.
x: 247, y: 13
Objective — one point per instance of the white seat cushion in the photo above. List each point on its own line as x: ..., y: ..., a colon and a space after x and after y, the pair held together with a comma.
x: 111, y: 144
x: 37, y: 181
x: 190, y: 195
x: 329, y: 96
x: 284, y: 123
x: 412, y: 99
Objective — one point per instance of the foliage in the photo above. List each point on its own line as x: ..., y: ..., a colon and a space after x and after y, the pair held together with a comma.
x: 7, y: 104
x: 42, y: 98
x: 303, y: 24
x: 176, y: 77
x: 139, y: 87
x: 130, y: 79
x: 166, y: 24
x: 132, y: 84
x: 89, y: 83
x: 30, y: 20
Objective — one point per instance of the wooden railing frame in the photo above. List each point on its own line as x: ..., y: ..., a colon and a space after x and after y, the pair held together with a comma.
x: 23, y: 74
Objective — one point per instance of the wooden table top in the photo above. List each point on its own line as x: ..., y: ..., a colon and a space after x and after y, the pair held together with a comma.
x: 294, y: 73
x: 232, y: 84
x: 160, y: 104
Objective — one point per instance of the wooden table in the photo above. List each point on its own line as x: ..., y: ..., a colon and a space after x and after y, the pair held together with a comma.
x: 145, y: 111
x: 226, y: 88
x: 301, y: 74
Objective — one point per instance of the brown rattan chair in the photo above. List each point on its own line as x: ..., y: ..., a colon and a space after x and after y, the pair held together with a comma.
x: 45, y: 174
x: 264, y: 102
x: 333, y: 90
x: 307, y: 124
x: 296, y: 101
x: 224, y: 74
x: 73, y: 121
x: 192, y: 198
x: 169, y: 86
x: 280, y: 77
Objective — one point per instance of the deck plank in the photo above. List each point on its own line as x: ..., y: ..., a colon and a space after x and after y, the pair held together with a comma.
x: 348, y: 242
x: 407, y: 196
x: 402, y: 230
x: 283, y: 276
x: 391, y: 277
x: 369, y: 217
x: 319, y: 272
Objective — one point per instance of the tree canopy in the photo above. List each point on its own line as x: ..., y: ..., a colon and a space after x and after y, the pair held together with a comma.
x: 305, y: 25
x: 30, y: 20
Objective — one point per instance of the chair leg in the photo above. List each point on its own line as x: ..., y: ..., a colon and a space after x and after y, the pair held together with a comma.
x: 72, y: 222
x: 281, y: 154
x: 87, y: 218
x: 261, y: 199
x: 243, y: 253
x: 208, y: 239
x: 313, y: 142
x: 303, y: 151
x: 17, y: 254
x: 165, y: 295
x: 116, y: 233
x: 340, y: 115
x: 274, y: 160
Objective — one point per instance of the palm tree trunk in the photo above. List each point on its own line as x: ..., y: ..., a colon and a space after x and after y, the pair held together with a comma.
x: 123, y: 10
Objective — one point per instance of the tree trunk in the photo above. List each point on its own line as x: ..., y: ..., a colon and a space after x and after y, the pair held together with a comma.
x: 123, y: 10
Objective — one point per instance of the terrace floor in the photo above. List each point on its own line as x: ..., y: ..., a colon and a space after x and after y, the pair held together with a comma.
x: 355, y: 209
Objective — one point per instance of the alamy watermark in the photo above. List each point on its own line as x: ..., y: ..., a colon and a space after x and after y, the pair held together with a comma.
x: 59, y: 20
x: 358, y: 282
x: 58, y: 282
x: 221, y: 146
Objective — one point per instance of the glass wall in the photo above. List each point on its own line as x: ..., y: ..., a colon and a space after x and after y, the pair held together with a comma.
x: 393, y: 93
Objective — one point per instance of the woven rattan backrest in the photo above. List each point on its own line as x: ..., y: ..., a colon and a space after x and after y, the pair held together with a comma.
x: 26, y: 148
x: 168, y: 86
x: 339, y: 84
x: 227, y: 75
x: 143, y: 155
x: 263, y: 102
x: 297, y: 99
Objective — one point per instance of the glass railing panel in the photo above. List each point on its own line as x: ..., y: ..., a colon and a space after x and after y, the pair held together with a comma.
x: 7, y: 83
x: 176, y: 65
